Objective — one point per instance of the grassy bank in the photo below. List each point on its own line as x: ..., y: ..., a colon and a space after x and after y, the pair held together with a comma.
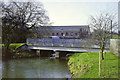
x: 14, y: 45
x: 114, y: 36
x: 86, y: 65
x: 13, y: 53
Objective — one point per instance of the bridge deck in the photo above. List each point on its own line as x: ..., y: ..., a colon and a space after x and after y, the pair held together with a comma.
x: 66, y: 49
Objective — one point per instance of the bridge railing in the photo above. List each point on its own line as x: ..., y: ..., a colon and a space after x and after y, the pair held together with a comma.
x: 63, y: 43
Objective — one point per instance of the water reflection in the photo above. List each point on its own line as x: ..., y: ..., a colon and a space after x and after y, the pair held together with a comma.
x: 35, y: 68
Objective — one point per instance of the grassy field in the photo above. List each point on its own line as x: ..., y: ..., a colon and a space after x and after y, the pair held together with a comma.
x: 86, y: 65
x: 114, y: 36
x: 14, y: 45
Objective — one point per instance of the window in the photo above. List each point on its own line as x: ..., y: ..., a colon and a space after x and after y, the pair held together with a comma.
x: 86, y: 29
x: 72, y: 34
x: 61, y: 34
x: 80, y: 29
x: 76, y: 34
x: 83, y: 29
x: 57, y: 34
x: 52, y: 34
x: 66, y: 33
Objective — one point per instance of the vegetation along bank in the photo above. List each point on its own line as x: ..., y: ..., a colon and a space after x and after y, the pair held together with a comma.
x: 13, y: 53
x: 86, y: 65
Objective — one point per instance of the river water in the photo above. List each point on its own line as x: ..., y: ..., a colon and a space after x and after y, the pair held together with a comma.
x: 35, y: 68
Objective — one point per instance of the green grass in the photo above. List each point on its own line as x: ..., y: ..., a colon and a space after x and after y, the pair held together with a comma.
x: 1, y: 45
x: 86, y: 65
x: 114, y: 36
x: 14, y: 45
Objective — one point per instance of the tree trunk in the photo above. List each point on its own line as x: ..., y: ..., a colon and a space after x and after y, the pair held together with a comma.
x: 102, y: 54
x: 102, y: 49
x: 7, y: 46
x: 7, y: 51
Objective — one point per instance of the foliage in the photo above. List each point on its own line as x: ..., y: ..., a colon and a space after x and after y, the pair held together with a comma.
x: 24, y: 54
x: 18, y: 18
x: 13, y: 45
x: 102, y: 24
x: 86, y: 65
x: 12, y: 48
x: 18, y: 53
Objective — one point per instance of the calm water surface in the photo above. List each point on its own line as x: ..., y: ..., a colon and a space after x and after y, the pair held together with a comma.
x: 35, y: 68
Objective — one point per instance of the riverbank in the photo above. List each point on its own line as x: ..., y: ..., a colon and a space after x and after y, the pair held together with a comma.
x: 13, y: 53
x: 13, y: 45
x: 86, y: 65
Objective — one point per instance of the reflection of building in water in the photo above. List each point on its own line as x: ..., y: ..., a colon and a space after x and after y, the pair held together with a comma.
x: 69, y: 31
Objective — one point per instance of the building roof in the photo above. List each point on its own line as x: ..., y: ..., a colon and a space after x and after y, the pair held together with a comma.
x: 71, y: 26
x: 65, y: 28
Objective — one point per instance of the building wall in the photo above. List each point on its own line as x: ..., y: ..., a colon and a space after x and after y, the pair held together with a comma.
x: 115, y: 46
x: 67, y: 31
x: 70, y: 31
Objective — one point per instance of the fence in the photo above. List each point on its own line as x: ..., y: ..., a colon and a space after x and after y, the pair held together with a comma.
x: 64, y: 43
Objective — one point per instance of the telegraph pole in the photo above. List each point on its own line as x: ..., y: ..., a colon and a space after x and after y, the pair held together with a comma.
x: 111, y: 29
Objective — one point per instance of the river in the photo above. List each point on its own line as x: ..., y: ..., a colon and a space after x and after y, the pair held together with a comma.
x: 35, y: 68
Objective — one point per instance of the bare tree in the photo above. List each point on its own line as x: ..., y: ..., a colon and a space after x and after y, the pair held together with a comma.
x: 101, y: 25
x: 18, y: 18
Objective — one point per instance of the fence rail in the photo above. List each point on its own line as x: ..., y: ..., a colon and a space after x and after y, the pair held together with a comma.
x: 64, y: 42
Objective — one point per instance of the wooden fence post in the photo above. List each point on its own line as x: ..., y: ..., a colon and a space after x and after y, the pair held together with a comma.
x: 104, y: 63
x: 99, y: 63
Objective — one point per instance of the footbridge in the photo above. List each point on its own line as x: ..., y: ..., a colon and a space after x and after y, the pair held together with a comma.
x: 68, y: 45
x: 66, y: 49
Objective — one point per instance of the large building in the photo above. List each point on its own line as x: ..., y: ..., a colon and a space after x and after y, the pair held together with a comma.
x: 68, y: 31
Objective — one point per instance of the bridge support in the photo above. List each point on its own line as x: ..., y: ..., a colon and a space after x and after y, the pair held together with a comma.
x: 57, y: 54
x: 38, y: 52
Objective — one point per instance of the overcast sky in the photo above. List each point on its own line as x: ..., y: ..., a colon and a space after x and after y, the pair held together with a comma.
x: 76, y: 12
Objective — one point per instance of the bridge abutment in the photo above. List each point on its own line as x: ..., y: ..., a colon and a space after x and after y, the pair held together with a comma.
x: 57, y: 54
x: 62, y: 54
x: 38, y: 52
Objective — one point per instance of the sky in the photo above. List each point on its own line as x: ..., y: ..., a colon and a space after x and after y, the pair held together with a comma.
x: 75, y: 12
